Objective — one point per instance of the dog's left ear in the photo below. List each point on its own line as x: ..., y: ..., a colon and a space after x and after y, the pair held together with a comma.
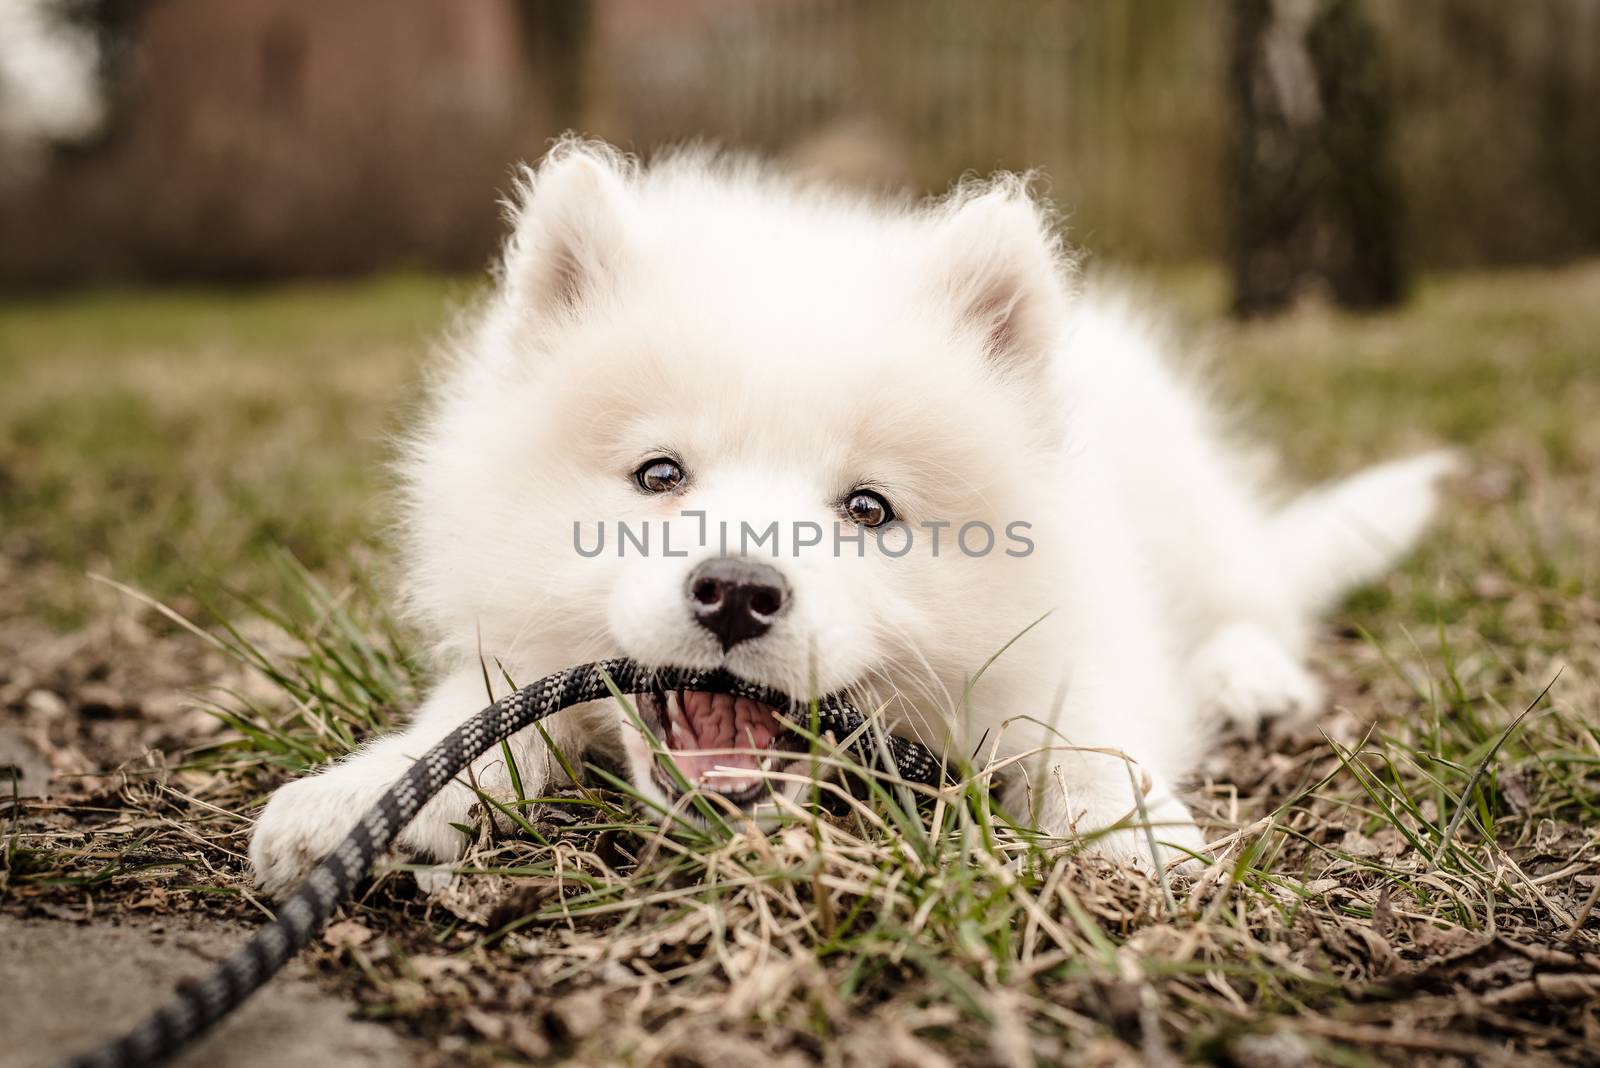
x: 1004, y: 271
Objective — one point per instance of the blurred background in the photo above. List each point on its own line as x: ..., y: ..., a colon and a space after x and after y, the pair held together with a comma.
x: 229, y: 229
x: 254, y: 139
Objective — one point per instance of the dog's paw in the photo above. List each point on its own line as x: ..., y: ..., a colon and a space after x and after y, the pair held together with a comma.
x: 307, y: 819
x: 303, y: 822
x: 1113, y: 828
x: 1245, y: 676
x: 1178, y: 841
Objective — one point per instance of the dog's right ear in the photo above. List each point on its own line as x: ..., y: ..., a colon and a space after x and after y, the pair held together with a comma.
x: 569, y: 229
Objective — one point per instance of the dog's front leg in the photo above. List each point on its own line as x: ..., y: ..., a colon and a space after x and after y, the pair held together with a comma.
x: 306, y: 819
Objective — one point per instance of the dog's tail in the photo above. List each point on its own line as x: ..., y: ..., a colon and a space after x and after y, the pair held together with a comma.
x: 1352, y: 530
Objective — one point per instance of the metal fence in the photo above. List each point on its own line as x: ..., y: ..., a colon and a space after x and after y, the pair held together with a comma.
x: 1118, y: 103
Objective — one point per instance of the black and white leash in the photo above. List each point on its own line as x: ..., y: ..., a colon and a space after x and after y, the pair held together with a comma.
x: 201, y: 1003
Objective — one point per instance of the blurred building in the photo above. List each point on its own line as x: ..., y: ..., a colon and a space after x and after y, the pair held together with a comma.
x: 252, y: 138
x: 261, y: 138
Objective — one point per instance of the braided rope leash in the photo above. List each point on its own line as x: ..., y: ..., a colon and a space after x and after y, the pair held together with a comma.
x: 201, y: 1003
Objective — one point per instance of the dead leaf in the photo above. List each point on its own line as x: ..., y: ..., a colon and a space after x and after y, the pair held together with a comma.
x: 1383, y: 913
x: 348, y: 934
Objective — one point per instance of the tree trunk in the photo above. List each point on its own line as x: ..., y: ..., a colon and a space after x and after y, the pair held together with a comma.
x: 1313, y: 193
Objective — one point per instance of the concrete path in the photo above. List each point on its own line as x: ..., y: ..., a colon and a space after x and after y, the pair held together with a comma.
x: 64, y: 987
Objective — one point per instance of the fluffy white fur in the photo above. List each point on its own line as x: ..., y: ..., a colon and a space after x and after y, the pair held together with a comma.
x: 790, y: 343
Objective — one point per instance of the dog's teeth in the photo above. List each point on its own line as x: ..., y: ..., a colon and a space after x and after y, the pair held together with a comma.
x: 673, y: 710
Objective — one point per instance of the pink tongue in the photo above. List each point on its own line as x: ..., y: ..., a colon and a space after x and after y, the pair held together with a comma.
x: 721, y: 721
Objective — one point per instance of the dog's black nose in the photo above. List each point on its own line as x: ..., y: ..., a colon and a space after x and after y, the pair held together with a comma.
x: 736, y: 599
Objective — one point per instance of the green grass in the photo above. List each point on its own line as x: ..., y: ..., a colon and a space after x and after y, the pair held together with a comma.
x: 934, y: 905
x: 1386, y: 889
x: 162, y: 437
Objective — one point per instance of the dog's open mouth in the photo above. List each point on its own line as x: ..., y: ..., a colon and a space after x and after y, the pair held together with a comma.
x: 719, y: 742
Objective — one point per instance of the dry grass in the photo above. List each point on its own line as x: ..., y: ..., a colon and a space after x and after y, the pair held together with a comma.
x: 1416, y: 882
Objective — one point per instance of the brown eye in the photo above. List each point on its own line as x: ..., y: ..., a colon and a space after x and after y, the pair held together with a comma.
x: 659, y: 476
x: 868, y: 509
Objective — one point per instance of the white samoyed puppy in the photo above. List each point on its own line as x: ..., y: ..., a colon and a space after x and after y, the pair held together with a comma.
x: 716, y: 417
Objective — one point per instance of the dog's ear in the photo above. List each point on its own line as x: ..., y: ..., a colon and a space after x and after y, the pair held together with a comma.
x: 569, y: 228
x: 1003, y: 270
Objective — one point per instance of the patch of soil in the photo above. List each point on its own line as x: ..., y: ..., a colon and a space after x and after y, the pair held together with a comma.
x: 88, y: 701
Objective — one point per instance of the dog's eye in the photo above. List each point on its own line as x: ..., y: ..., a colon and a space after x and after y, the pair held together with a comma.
x: 660, y: 475
x: 868, y: 509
